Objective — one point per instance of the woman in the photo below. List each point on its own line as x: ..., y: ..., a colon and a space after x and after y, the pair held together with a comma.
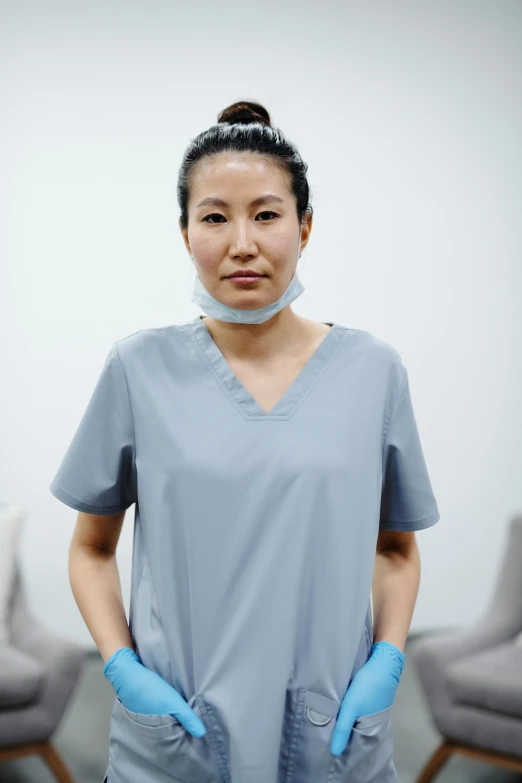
x: 278, y: 475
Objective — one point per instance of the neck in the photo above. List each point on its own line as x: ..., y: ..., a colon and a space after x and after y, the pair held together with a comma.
x: 283, y: 333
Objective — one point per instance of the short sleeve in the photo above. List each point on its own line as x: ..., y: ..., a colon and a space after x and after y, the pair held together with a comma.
x: 407, y: 500
x: 98, y: 473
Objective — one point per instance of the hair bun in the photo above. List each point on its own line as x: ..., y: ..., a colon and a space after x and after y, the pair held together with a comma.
x: 245, y: 112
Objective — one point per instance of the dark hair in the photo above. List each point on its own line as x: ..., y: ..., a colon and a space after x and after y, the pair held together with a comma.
x: 245, y: 127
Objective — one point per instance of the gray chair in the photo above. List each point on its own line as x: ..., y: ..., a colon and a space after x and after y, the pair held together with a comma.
x: 38, y: 674
x: 472, y: 678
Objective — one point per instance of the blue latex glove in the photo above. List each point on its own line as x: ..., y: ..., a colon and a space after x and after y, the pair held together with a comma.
x: 141, y: 690
x: 371, y: 690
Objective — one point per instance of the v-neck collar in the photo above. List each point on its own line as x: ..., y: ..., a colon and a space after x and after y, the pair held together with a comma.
x: 307, y: 379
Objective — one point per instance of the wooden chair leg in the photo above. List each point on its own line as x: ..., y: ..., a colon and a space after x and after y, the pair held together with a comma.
x: 513, y: 763
x: 55, y: 763
x: 449, y: 747
x: 436, y: 762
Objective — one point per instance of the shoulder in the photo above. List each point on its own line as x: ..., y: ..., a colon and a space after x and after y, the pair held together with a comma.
x: 145, y: 340
x: 382, y: 359
x: 376, y: 347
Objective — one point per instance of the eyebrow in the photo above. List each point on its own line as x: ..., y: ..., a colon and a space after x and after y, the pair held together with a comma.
x: 218, y: 202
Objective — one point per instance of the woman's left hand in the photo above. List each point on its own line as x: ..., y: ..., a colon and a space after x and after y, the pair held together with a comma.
x: 371, y: 690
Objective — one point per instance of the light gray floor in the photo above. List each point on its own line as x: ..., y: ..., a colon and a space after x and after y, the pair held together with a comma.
x: 82, y: 737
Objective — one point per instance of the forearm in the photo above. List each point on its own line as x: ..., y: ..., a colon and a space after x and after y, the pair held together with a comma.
x: 95, y: 583
x: 395, y: 587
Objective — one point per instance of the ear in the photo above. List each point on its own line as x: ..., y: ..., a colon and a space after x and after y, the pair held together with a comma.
x: 306, y: 230
x: 184, y: 234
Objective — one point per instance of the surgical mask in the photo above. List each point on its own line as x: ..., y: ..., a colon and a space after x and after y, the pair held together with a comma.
x: 221, y: 312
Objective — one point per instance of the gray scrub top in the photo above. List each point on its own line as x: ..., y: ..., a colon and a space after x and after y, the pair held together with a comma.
x: 254, y: 547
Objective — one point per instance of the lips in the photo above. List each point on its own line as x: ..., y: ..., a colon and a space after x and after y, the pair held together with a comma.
x: 245, y: 273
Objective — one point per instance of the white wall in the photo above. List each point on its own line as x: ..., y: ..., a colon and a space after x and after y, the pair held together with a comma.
x: 409, y: 116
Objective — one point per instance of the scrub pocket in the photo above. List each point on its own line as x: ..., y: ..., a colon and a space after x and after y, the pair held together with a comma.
x: 368, y: 756
x: 307, y: 731
x: 159, y: 748
x: 305, y: 756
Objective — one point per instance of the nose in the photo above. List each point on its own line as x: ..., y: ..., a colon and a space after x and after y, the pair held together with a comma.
x: 242, y: 242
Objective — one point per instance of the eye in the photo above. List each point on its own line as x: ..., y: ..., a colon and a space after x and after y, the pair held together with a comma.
x: 216, y: 214
x: 267, y: 213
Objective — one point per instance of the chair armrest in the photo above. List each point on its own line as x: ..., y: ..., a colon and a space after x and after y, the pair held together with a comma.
x: 61, y: 661
x: 434, y: 653
x: 43, y: 645
x: 32, y: 637
x: 21, y: 678
x: 446, y: 647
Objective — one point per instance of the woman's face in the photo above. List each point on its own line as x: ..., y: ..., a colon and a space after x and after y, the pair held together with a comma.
x: 237, y: 234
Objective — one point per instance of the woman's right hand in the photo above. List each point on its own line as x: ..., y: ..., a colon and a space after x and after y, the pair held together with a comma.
x: 141, y: 690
